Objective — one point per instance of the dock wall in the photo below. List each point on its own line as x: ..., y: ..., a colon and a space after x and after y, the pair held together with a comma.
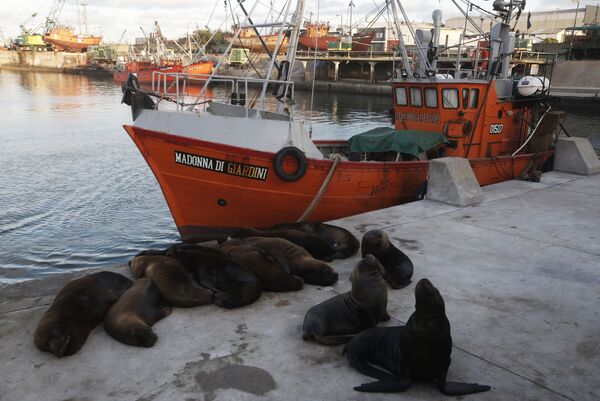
x: 581, y: 76
x: 42, y: 60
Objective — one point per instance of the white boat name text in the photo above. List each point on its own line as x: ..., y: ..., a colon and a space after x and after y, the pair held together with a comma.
x: 222, y: 166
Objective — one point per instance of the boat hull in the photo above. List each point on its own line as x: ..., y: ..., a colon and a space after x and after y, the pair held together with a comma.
x: 211, y: 188
x: 145, y: 76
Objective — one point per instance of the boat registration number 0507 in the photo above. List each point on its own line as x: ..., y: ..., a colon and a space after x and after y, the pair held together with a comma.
x: 496, y: 128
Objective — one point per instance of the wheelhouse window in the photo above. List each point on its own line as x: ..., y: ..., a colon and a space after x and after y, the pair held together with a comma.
x: 450, y: 98
x: 415, y: 97
x: 474, y: 99
x: 401, y: 98
x: 465, y: 98
x: 431, y: 97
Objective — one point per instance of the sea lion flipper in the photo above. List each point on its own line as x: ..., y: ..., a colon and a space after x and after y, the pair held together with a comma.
x: 456, y: 388
x: 333, y: 340
x: 384, y: 386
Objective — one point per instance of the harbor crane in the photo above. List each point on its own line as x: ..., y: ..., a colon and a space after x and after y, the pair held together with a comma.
x: 52, y: 18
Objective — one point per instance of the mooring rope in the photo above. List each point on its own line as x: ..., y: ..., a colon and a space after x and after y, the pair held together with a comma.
x: 321, y: 192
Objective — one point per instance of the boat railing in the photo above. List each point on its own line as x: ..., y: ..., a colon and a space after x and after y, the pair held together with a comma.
x: 180, y: 86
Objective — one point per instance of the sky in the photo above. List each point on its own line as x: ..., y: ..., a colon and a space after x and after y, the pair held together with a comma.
x: 176, y: 17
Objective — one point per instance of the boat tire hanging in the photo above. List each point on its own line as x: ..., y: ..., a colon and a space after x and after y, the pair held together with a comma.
x: 300, y: 159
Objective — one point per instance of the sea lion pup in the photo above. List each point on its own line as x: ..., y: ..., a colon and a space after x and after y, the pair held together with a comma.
x: 234, y: 285
x: 317, y: 246
x: 273, y: 275
x: 398, y: 267
x: 130, y: 319
x: 77, y: 308
x: 342, y: 240
x: 171, y: 279
x: 299, y: 262
x: 419, y: 351
x: 338, y: 319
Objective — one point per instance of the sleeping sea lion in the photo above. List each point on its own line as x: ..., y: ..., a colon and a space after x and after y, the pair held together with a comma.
x: 272, y: 275
x: 130, y: 319
x: 398, y: 267
x: 316, y: 245
x: 297, y: 259
x: 171, y: 279
x: 342, y: 240
x: 419, y: 351
x: 338, y: 319
x: 78, y: 307
x: 234, y: 285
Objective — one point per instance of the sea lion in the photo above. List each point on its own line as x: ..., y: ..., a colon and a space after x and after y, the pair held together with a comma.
x: 77, y: 308
x: 298, y: 261
x: 317, y: 246
x: 272, y: 275
x: 398, y: 267
x: 130, y: 319
x: 338, y: 319
x: 234, y: 285
x: 342, y: 240
x: 171, y: 279
x: 419, y: 351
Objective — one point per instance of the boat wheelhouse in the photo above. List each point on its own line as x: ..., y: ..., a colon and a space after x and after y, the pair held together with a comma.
x: 247, y: 161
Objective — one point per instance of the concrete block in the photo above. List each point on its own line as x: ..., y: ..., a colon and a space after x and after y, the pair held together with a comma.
x: 451, y: 180
x: 577, y: 156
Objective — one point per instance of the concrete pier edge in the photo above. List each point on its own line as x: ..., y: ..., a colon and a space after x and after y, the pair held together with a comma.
x: 577, y: 156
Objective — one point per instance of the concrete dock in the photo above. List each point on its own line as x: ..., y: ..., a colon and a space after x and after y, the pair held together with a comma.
x: 520, y: 275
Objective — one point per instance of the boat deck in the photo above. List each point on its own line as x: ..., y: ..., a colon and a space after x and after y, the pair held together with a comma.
x: 520, y: 275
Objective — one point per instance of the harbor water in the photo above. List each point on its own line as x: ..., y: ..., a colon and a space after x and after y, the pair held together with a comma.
x: 76, y: 193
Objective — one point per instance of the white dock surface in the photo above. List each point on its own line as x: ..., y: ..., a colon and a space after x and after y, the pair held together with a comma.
x: 520, y: 275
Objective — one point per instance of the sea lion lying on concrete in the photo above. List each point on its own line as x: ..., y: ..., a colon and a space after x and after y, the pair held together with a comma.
x: 78, y: 307
x: 130, y: 319
x: 316, y: 245
x: 233, y: 284
x: 342, y: 240
x: 419, y: 351
x: 272, y: 275
x: 338, y: 319
x: 297, y: 260
x: 171, y: 279
x: 398, y: 267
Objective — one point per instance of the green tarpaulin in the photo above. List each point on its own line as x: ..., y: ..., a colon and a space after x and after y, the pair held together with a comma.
x: 387, y: 139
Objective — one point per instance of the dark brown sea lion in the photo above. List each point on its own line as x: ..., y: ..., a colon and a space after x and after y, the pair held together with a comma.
x: 272, y: 275
x: 233, y: 284
x: 77, y: 308
x: 398, y: 267
x: 338, y: 319
x: 299, y: 262
x: 419, y: 351
x: 130, y: 319
x: 342, y: 240
x: 171, y: 279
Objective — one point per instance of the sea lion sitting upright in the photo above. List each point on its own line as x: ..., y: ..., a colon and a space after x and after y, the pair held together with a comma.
x: 316, y: 245
x: 273, y: 275
x: 297, y: 259
x: 78, y: 307
x: 338, y: 319
x: 342, y: 240
x: 419, y: 351
x: 130, y: 319
x: 398, y: 267
x: 233, y: 284
x: 171, y: 279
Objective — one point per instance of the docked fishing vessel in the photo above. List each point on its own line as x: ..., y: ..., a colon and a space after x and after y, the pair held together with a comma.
x: 248, y: 161
x: 144, y: 70
x: 317, y: 36
x: 248, y: 39
x: 65, y: 39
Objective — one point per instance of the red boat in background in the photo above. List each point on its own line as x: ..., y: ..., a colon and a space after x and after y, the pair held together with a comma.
x: 317, y: 37
x: 144, y: 70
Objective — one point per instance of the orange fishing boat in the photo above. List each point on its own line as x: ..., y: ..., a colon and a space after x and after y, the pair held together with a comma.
x: 224, y: 165
x: 64, y: 39
x: 144, y: 70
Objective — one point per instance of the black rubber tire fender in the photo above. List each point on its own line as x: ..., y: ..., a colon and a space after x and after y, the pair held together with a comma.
x: 300, y: 159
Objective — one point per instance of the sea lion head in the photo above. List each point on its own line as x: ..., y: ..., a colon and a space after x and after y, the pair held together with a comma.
x: 375, y: 241
x: 139, y: 261
x: 141, y: 336
x: 58, y: 341
x: 368, y: 268
x: 427, y: 297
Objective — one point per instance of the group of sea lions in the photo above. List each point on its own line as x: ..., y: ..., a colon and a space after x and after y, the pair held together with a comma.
x: 281, y: 258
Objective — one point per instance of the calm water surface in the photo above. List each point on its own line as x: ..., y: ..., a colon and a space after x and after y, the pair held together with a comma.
x: 76, y: 193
